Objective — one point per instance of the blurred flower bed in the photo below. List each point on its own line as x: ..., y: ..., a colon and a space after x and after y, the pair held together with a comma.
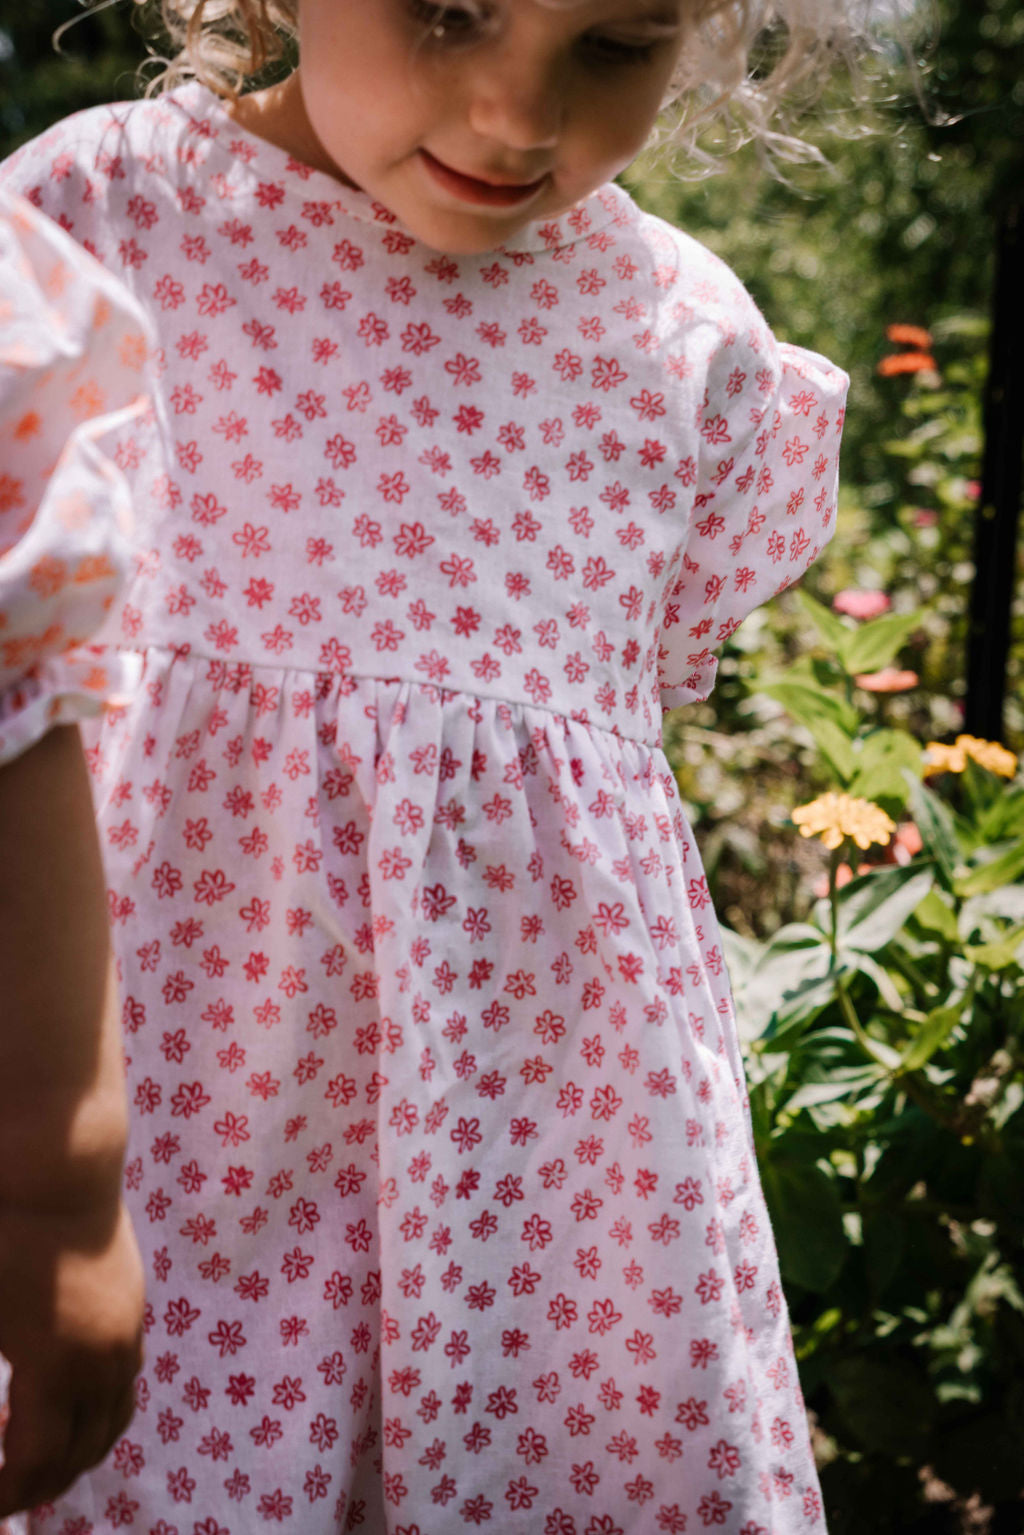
x: 867, y: 859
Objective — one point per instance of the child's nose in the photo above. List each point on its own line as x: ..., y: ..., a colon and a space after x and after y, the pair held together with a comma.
x: 519, y: 109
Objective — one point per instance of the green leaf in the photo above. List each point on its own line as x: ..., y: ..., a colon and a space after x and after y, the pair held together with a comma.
x: 881, y: 763
x: 935, y: 1030
x: 863, y: 964
x: 836, y: 748
x: 984, y: 914
x: 884, y: 1236
x: 798, y: 1008
x: 807, y: 1217
x: 1004, y: 818
x: 1004, y: 870
x: 808, y: 704
x: 1004, y: 1108
x: 832, y: 629
x: 875, y: 644
x: 936, y: 916
x: 797, y: 955
x: 999, y: 955
x: 845, y: 1083
x: 873, y: 908
x: 877, y: 1049
x: 937, y: 828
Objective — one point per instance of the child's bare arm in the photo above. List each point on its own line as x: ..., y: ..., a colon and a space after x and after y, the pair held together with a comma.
x: 71, y: 1291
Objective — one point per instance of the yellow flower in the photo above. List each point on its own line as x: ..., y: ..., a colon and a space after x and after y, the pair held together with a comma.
x: 989, y: 754
x: 834, y: 817
x: 940, y: 758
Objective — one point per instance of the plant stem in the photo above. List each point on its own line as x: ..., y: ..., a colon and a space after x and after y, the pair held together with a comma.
x: 912, y: 1083
x: 905, y: 965
x: 849, y: 1012
x: 833, y: 899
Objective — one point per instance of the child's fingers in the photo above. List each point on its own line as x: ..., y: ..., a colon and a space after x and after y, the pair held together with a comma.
x: 98, y: 1426
x: 38, y: 1453
x: 54, y: 1435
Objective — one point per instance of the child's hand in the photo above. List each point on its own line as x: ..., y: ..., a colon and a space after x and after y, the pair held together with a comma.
x: 70, y: 1274
x: 71, y: 1301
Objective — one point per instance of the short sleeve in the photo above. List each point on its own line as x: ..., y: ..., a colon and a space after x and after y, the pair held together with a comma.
x: 765, y: 483
x: 73, y: 354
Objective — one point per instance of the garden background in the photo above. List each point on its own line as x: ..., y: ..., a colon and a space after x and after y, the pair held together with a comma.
x: 878, y: 972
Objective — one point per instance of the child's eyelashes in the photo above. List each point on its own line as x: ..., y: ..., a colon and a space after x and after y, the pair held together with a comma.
x: 449, y: 26
x: 447, y: 23
x: 614, y: 50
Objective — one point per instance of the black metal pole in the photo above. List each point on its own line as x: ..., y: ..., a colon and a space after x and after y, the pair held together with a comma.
x: 998, y: 515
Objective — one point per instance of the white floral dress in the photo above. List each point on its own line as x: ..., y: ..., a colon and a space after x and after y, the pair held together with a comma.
x: 73, y: 349
x: 440, y: 1158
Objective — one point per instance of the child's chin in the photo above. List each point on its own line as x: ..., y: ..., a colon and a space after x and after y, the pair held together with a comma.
x: 465, y: 235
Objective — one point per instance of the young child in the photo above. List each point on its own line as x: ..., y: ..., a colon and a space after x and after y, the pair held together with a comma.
x: 72, y: 355
x: 462, y: 468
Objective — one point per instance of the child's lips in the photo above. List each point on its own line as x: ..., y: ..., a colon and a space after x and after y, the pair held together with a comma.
x: 493, y: 192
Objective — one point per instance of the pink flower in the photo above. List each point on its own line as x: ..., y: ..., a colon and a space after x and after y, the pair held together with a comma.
x: 907, y: 842
x: 844, y: 874
x: 860, y: 604
x: 925, y: 517
x: 889, y: 680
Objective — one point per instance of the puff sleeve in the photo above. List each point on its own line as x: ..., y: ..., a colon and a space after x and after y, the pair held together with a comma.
x: 73, y: 352
x: 765, y: 482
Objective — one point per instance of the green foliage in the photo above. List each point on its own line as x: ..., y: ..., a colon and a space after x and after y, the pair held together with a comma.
x: 97, y: 62
x: 885, y: 1042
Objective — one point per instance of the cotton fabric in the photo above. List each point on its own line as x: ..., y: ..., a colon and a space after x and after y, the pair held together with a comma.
x: 441, y: 1160
x: 72, y: 357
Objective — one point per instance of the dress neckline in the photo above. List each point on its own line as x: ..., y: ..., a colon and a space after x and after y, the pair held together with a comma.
x: 265, y: 160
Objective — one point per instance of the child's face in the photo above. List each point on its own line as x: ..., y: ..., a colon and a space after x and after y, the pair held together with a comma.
x: 470, y: 123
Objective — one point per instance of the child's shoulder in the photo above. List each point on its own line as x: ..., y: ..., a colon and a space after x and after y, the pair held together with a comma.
x: 700, y: 310
x: 107, y: 163
x: 693, y: 283
x: 111, y: 142
x: 93, y: 138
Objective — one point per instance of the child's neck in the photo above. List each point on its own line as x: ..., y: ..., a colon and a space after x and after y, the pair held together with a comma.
x: 278, y: 114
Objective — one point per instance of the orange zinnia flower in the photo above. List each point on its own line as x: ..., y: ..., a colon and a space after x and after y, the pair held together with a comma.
x: 910, y: 335
x: 907, y: 362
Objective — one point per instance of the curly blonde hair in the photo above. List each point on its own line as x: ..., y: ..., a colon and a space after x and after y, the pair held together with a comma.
x: 750, y: 66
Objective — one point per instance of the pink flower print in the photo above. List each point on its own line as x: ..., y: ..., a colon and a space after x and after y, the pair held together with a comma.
x: 602, y: 1317
x: 584, y: 1478
x: 393, y: 487
x: 460, y: 570
x: 713, y: 1509
x: 418, y: 339
x: 212, y: 886
x: 476, y: 924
